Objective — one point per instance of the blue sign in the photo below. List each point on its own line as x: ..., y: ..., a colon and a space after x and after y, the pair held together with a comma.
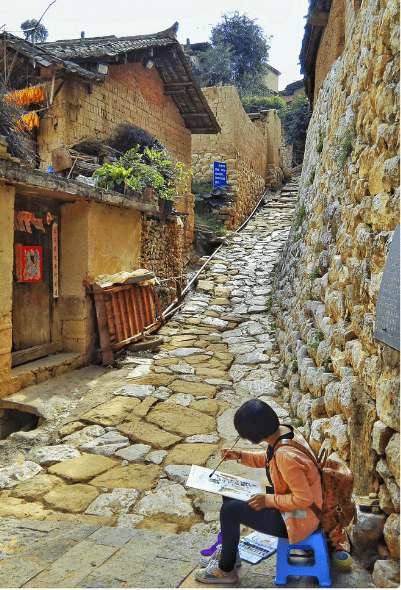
x: 219, y: 174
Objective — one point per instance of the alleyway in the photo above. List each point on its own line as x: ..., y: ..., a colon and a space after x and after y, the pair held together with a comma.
x: 96, y: 497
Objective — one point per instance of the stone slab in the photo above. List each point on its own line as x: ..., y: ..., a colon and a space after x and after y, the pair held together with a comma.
x: 83, y: 468
x: 81, y: 437
x: 142, y: 432
x: 180, y: 420
x: 48, y: 455
x: 190, y: 454
x: 36, y: 487
x: 139, y: 391
x: 112, y: 412
x: 12, y: 475
x: 71, y: 498
x: 117, y: 502
x: 195, y: 389
x: 168, y: 498
x: 74, y: 566
x: 136, y: 476
x: 134, y: 453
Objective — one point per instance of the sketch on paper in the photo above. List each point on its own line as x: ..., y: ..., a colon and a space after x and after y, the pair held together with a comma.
x: 222, y: 483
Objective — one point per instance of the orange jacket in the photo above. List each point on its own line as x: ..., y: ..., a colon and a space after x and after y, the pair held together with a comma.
x: 297, y: 485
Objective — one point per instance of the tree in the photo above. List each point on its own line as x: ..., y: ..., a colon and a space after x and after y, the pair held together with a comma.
x: 246, y: 41
x: 34, y: 31
x: 238, y: 55
x: 214, y: 67
x: 295, y: 120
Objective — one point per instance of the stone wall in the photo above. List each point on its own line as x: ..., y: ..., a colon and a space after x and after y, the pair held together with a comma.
x: 286, y: 151
x: 343, y: 384
x: 240, y: 145
x: 162, y: 247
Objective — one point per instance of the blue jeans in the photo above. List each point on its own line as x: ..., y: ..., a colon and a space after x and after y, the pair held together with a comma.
x: 233, y: 513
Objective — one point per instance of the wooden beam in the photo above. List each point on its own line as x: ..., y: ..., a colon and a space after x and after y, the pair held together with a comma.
x: 177, y: 85
x: 175, y: 92
x: 29, y: 354
x: 200, y: 130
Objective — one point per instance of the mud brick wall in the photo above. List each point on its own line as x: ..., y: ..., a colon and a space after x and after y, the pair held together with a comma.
x: 240, y: 145
x: 343, y: 383
x: 130, y: 94
x: 6, y: 269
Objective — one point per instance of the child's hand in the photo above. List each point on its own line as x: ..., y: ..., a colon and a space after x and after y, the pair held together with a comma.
x: 230, y: 454
x: 257, y: 502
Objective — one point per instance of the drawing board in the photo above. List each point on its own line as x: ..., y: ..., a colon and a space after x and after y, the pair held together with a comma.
x: 223, y: 483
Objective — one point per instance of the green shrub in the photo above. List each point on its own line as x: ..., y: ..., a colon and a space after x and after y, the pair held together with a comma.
x: 345, y: 146
x: 300, y: 217
x: 319, y: 147
x: 315, y: 274
x: 255, y: 104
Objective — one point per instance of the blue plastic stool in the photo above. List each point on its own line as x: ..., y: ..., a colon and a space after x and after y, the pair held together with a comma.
x: 315, y: 541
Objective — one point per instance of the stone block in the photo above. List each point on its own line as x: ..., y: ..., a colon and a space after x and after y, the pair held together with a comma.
x: 180, y: 420
x: 391, y: 534
x: 83, y: 468
x: 142, y: 432
x: 189, y: 454
x: 71, y: 498
x: 136, y: 476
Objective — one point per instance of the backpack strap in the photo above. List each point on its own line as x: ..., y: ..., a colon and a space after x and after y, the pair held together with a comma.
x: 293, y: 443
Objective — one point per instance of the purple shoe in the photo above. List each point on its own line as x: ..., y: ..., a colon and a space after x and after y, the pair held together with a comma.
x: 213, y: 548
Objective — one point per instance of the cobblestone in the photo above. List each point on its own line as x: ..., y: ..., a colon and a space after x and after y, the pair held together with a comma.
x: 218, y: 352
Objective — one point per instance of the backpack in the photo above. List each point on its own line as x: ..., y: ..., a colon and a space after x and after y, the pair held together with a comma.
x: 338, y: 507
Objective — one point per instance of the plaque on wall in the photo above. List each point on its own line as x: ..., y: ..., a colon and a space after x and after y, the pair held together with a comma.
x: 387, y: 324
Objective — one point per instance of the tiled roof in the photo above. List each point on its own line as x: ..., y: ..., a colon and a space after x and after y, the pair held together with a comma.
x: 39, y: 55
x: 166, y: 53
x: 106, y: 46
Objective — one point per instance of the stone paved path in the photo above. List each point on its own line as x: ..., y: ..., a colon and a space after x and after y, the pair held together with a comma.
x: 95, y: 497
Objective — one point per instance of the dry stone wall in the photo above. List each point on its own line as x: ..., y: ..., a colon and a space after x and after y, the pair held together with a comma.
x: 343, y: 384
x: 162, y: 247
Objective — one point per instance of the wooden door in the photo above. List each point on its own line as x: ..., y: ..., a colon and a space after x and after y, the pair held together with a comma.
x: 33, y: 301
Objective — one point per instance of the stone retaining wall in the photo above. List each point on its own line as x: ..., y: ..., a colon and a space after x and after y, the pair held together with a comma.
x: 286, y: 151
x: 343, y: 384
x: 240, y: 145
x: 162, y: 247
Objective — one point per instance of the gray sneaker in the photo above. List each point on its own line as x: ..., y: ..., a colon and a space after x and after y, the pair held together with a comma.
x: 204, y: 560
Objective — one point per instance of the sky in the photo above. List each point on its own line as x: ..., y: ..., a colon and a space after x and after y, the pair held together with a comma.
x: 65, y: 19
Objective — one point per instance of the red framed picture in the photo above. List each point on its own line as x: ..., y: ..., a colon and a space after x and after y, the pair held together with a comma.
x: 28, y: 263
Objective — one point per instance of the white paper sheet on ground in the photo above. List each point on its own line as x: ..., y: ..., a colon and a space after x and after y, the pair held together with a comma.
x: 222, y: 483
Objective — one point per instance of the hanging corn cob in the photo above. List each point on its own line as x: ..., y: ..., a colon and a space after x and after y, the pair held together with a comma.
x: 30, y: 120
x: 27, y: 96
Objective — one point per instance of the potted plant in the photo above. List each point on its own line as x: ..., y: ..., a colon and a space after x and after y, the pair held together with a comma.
x: 112, y: 177
x: 139, y: 172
